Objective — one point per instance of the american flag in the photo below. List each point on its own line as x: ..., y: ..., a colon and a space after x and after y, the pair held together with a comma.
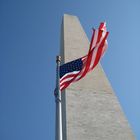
x: 77, y: 69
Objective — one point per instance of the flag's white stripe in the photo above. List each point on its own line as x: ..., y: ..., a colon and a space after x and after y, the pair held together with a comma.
x: 76, y: 79
x: 66, y: 80
x: 95, y: 44
x: 62, y: 87
x: 95, y: 39
x: 94, y: 53
x: 74, y: 72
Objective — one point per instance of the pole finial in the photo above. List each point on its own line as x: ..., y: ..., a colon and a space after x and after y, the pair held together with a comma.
x: 58, y: 58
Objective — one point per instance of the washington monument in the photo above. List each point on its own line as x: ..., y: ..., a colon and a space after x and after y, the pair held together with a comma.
x: 90, y: 109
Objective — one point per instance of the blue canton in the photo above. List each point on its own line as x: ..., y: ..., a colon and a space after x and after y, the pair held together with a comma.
x: 72, y: 66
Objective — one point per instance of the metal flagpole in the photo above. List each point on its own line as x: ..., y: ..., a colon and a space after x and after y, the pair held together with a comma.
x: 58, y: 123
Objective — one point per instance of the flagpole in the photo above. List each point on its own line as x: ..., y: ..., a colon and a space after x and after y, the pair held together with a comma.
x: 58, y: 121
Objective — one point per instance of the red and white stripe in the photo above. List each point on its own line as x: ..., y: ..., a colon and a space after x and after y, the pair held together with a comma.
x: 97, y: 48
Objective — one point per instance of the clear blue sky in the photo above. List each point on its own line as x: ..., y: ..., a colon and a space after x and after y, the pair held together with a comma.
x: 29, y: 43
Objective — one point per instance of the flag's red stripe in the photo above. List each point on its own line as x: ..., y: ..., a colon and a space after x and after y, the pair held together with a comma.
x: 99, y: 52
x: 101, y: 26
x: 88, y: 63
x: 96, y: 53
x: 94, y: 42
x: 100, y: 36
x: 67, y: 83
x: 93, y: 34
x: 68, y: 76
x: 89, y: 56
x: 100, y: 32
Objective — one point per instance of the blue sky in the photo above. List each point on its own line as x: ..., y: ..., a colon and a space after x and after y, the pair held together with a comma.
x: 29, y: 43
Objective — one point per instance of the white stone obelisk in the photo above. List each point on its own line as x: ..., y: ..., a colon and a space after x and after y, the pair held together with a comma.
x: 90, y: 109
